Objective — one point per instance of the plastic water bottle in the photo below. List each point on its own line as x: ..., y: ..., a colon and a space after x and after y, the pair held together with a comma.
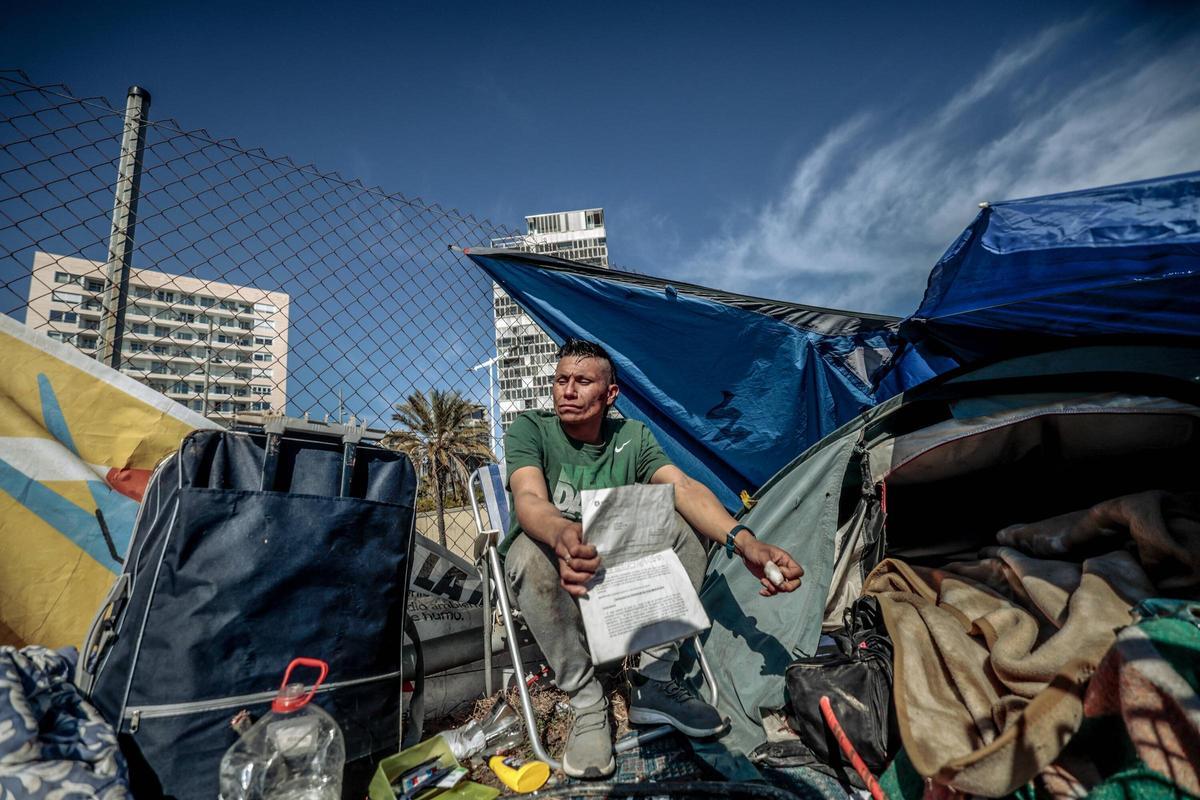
x: 501, y: 730
x: 295, y: 751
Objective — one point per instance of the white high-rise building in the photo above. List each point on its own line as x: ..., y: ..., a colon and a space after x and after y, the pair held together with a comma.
x: 526, y: 354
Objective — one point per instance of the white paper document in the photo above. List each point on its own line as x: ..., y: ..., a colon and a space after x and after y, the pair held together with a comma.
x: 642, y: 596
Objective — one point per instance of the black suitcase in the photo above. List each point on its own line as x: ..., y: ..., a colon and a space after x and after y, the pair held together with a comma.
x: 251, y: 548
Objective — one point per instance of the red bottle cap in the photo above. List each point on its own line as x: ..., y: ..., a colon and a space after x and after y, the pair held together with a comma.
x: 290, y: 698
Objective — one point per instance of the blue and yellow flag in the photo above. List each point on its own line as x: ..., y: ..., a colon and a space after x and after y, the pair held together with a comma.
x: 76, y: 437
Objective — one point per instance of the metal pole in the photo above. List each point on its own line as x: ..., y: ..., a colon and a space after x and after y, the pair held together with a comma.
x: 492, y: 440
x: 208, y: 357
x: 124, y: 220
x: 492, y: 407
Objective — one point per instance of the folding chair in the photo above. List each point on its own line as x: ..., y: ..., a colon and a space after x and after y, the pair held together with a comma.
x: 490, y: 483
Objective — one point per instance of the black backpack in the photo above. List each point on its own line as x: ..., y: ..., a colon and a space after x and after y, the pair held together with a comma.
x: 853, y: 668
x: 250, y: 549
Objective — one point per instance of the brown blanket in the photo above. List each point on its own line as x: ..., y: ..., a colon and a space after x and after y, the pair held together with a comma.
x: 1164, y: 527
x: 991, y: 658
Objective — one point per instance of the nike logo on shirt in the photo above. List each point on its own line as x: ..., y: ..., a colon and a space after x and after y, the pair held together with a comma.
x: 621, y: 445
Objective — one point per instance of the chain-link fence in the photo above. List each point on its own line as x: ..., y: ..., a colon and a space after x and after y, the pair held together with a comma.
x: 236, y: 282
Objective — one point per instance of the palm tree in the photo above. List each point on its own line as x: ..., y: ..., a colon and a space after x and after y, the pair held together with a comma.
x: 444, y: 440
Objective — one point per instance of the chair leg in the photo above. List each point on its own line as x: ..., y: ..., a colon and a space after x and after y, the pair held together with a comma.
x: 713, y: 694
x: 644, y: 737
x: 514, y: 652
x: 485, y: 582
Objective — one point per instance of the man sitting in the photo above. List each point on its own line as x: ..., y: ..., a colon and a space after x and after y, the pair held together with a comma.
x: 551, y: 458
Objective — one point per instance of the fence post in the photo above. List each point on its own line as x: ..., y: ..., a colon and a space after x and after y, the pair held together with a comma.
x: 124, y: 219
x: 208, y: 358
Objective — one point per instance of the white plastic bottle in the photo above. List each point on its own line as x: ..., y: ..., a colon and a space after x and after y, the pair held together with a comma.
x: 295, y: 751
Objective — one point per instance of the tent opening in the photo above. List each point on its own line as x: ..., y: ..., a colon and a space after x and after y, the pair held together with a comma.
x: 955, y: 485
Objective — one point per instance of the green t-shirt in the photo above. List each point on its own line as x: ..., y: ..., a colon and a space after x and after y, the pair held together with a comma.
x: 627, y: 454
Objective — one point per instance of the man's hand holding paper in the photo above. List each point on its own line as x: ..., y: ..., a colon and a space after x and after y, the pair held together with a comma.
x: 577, y: 561
x: 641, y: 595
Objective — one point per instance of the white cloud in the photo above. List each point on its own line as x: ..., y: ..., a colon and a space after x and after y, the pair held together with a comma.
x: 1005, y: 66
x: 867, y: 213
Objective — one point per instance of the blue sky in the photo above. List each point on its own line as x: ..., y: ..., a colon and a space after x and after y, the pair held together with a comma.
x: 810, y: 152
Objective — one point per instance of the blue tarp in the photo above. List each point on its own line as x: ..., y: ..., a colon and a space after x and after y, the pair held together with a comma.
x: 735, y: 387
x: 1045, y: 272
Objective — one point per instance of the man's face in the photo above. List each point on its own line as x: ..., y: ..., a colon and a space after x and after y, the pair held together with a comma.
x: 582, y: 390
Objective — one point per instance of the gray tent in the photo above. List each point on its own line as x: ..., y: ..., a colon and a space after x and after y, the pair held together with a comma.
x: 932, y: 475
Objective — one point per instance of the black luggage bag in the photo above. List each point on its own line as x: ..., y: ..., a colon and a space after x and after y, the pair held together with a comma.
x: 251, y: 549
x: 854, y: 670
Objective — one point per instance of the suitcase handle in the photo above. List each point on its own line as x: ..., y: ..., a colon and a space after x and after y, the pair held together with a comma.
x: 100, y: 634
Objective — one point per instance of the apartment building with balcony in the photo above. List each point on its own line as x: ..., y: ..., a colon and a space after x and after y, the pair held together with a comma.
x: 217, y: 348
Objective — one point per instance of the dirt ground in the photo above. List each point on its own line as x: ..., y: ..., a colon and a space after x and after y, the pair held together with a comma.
x: 554, y: 720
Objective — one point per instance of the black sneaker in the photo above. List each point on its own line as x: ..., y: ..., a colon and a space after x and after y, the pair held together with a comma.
x: 671, y: 702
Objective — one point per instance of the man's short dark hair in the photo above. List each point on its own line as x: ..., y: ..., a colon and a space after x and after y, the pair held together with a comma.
x: 582, y: 348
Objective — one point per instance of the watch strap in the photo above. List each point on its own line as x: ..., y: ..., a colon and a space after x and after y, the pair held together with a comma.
x: 731, y: 539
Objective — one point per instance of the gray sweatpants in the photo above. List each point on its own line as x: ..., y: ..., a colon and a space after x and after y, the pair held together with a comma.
x: 553, y: 615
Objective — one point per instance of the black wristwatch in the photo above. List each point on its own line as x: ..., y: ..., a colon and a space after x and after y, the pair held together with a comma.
x: 731, y: 539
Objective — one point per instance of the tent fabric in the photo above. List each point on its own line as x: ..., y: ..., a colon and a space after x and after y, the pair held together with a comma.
x: 736, y: 386
x: 1118, y: 260
x: 737, y: 389
x: 753, y: 638
x: 733, y: 387
x: 77, y: 439
x: 810, y: 318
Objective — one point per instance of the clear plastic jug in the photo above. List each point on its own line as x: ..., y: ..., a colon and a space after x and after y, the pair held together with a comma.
x: 295, y: 751
x: 500, y: 731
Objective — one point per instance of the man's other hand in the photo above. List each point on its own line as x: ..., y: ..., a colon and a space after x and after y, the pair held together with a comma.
x: 577, y: 562
x: 756, y: 554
